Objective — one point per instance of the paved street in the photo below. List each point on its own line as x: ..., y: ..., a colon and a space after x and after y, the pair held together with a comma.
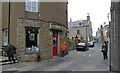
x: 90, y: 60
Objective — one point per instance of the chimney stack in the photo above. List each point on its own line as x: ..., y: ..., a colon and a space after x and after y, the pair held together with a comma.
x: 88, y: 17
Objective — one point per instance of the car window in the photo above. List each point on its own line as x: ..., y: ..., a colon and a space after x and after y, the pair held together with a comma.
x: 81, y: 43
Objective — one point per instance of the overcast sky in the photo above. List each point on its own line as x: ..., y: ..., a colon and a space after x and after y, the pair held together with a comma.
x: 98, y: 9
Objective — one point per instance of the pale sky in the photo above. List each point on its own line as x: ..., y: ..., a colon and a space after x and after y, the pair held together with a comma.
x: 98, y: 9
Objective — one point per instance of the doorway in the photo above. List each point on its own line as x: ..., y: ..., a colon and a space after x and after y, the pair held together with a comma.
x: 55, y: 43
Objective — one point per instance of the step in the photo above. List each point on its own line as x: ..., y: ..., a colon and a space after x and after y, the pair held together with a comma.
x: 5, y: 61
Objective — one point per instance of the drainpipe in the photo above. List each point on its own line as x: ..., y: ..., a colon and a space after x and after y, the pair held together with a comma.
x: 9, y: 24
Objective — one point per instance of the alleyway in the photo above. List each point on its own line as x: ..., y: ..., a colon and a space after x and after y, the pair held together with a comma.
x: 90, y: 60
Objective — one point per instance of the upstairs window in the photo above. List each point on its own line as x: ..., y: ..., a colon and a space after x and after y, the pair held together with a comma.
x: 78, y: 31
x: 32, y: 5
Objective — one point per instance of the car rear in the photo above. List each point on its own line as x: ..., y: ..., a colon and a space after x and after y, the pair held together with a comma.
x: 81, y: 46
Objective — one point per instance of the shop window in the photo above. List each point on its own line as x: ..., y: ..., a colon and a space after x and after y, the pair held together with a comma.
x: 32, y: 5
x: 5, y: 37
x: 32, y: 39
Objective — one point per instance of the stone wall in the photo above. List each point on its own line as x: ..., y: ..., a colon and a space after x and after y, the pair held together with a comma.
x: 45, y: 43
x: 71, y: 46
x: 115, y: 37
x: 47, y: 11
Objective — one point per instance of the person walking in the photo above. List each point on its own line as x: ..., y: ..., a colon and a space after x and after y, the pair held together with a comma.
x: 11, y: 50
x: 104, y: 50
x: 63, y: 49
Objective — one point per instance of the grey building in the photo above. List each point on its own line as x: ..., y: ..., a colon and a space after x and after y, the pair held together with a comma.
x: 115, y: 37
x: 35, y: 28
x: 80, y: 29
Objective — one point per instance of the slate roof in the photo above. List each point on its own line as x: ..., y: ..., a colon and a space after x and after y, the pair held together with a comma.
x: 76, y: 24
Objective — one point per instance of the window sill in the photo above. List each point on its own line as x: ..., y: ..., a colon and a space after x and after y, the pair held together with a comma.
x: 32, y: 52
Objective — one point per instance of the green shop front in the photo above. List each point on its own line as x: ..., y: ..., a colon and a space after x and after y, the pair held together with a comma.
x: 39, y: 38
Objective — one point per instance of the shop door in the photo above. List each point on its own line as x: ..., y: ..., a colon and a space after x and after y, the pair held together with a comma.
x: 55, y: 43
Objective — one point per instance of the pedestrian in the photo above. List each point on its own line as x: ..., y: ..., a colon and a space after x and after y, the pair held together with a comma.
x: 63, y: 49
x: 104, y: 50
x: 11, y: 50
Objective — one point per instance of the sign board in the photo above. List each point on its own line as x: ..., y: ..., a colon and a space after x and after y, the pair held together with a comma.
x: 55, y: 26
x: 29, y: 21
x: 31, y: 36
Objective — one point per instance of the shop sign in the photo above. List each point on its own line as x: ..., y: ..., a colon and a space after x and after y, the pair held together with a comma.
x: 55, y: 26
x: 32, y: 22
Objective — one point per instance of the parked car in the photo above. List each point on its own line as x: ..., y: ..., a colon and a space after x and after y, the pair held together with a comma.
x: 91, y: 44
x: 82, y: 46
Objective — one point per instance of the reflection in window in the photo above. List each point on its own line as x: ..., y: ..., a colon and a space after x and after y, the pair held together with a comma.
x: 5, y: 37
x: 54, y: 41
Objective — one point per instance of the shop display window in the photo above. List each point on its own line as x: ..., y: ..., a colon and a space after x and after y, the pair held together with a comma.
x: 32, y: 39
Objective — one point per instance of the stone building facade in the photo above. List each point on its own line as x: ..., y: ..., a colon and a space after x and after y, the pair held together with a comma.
x: 34, y: 33
x: 115, y: 37
x: 79, y: 29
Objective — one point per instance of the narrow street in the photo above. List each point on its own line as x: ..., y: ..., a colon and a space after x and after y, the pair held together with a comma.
x: 90, y: 60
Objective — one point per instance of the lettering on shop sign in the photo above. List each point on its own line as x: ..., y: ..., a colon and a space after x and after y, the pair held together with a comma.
x: 32, y: 22
x: 55, y: 26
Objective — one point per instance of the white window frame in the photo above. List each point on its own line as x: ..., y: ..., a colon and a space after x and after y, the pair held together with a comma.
x: 5, y: 37
x: 31, y: 5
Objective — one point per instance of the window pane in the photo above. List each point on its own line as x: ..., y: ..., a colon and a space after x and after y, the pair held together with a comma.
x: 34, y: 9
x: 28, y: 5
x: 28, y: 8
x: 5, y: 37
x: 34, y: 4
